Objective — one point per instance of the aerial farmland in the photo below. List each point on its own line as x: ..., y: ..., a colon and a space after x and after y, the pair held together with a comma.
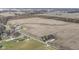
x: 39, y: 29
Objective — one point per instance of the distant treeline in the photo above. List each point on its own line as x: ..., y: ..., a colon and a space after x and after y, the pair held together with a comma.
x: 5, y: 19
x: 59, y: 18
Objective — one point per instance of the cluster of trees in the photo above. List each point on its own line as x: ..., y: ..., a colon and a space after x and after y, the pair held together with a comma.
x: 47, y: 37
x: 3, y: 22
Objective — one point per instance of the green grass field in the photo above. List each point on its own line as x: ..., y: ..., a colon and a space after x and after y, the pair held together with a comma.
x: 26, y: 45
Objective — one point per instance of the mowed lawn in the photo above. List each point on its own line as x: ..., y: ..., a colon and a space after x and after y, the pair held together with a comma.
x: 26, y: 45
